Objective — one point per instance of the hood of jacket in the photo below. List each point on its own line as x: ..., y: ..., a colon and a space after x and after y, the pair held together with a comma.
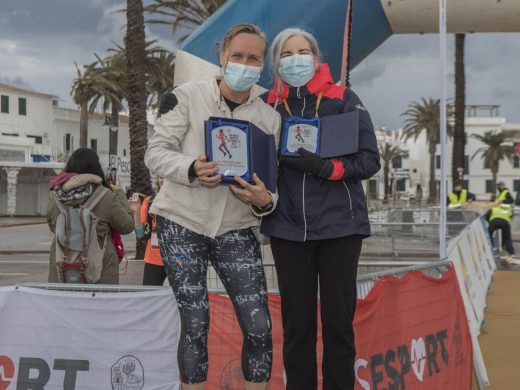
x: 77, y: 188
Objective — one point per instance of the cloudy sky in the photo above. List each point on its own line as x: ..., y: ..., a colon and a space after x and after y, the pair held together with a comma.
x: 40, y: 40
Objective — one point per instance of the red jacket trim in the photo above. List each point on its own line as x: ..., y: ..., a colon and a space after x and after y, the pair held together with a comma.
x: 338, y: 171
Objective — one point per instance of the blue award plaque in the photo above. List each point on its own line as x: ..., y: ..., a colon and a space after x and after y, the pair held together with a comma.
x: 336, y: 135
x: 241, y: 149
x: 300, y: 133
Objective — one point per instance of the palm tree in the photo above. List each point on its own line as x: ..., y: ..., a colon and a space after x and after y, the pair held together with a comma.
x: 160, y: 70
x: 425, y: 117
x: 115, y: 69
x: 459, y: 135
x: 182, y: 15
x: 159, y: 65
x: 497, y: 149
x: 85, y: 87
x: 138, y: 124
x: 388, y: 154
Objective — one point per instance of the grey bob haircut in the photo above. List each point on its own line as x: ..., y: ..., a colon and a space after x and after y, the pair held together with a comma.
x: 279, y: 42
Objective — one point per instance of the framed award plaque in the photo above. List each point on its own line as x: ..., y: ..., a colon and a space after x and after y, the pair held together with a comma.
x: 241, y: 149
x: 300, y: 133
x: 329, y: 136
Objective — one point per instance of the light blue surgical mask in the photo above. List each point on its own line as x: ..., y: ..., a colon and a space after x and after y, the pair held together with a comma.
x: 239, y: 77
x: 297, y: 70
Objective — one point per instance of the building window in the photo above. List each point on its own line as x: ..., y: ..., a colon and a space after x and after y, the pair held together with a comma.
x: 400, y: 185
x: 516, y: 185
x: 466, y: 165
x: 124, y: 152
x: 68, y: 142
x: 486, y: 164
x: 4, y: 104
x: 489, y: 186
x: 372, y: 187
x: 93, y: 144
x: 38, y: 139
x: 22, y: 106
x: 397, y: 163
x: 438, y: 162
x: 12, y: 155
x: 516, y: 162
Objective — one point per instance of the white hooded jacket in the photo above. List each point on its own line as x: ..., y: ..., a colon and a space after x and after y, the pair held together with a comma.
x: 178, y: 139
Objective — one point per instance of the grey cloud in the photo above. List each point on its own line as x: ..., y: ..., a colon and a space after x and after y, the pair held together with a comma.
x: 40, y: 39
x: 16, y: 81
x: 365, y: 73
x: 27, y: 17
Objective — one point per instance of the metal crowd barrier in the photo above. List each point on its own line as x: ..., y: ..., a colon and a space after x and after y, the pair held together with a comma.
x: 366, y: 279
x: 406, y: 239
x: 365, y: 283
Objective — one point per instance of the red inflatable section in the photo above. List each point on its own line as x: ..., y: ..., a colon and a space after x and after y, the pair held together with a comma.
x: 411, y: 333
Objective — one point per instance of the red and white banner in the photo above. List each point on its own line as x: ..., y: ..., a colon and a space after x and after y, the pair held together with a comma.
x: 411, y: 333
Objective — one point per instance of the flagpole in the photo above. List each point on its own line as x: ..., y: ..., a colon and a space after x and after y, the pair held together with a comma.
x: 443, y: 195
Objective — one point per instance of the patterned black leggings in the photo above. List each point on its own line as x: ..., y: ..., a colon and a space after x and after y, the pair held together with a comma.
x: 236, y: 258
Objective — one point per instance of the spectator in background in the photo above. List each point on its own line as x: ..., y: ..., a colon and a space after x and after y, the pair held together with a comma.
x: 499, y: 217
x: 80, y: 178
x: 146, y: 227
x: 459, y: 197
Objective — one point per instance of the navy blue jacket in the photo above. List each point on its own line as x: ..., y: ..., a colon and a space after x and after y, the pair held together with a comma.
x: 309, y: 207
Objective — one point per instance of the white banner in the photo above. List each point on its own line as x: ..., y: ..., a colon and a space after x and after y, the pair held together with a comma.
x: 57, y: 340
x: 474, y: 264
x: 473, y: 259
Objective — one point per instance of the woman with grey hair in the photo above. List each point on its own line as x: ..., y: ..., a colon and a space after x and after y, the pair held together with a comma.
x: 321, y: 218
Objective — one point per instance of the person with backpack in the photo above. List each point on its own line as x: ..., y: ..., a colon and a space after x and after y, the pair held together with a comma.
x: 82, y: 209
x: 154, y: 273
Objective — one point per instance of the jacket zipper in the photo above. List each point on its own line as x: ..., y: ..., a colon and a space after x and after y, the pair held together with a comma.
x: 304, y: 175
x: 304, y: 218
x: 349, y: 198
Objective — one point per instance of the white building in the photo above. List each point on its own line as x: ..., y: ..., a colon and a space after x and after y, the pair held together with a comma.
x: 414, y: 170
x: 36, y: 137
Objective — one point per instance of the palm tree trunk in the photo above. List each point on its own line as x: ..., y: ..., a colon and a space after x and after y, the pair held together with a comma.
x: 113, y: 132
x: 385, y: 178
x: 83, y: 125
x: 138, y: 125
x: 494, y: 172
x: 432, y: 197
x: 459, y: 136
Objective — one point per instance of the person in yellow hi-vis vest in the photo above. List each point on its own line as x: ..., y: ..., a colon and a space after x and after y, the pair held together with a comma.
x: 457, y: 200
x: 499, y: 217
x: 459, y: 197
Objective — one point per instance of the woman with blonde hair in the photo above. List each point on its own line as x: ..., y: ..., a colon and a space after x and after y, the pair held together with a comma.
x: 199, y: 221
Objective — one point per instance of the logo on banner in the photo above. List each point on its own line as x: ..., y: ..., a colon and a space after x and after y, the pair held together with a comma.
x: 418, y: 357
x: 232, y: 377
x: 394, y: 364
x: 6, y: 372
x: 127, y: 374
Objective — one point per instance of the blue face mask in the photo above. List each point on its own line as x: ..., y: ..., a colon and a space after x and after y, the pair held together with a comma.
x: 297, y: 70
x: 240, y: 78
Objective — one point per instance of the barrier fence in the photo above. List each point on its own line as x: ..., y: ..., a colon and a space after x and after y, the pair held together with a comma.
x: 108, y: 335
x: 43, y: 323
